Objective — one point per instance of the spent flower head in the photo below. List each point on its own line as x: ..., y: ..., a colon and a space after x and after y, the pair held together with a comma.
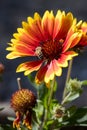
x: 22, y: 102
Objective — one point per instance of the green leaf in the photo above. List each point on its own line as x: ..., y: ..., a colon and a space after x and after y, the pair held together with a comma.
x: 71, y: 96
x: 39, y: 108
x: 73, y: 117
x: 1, y: 109
x: 7, y: 127
x: 84, y: 82
x: 73, y: 90
x: 10, y: 118
x: 79, y: 117
x: 38, y: 113
x: 71, y: 111
x: 1, y: 128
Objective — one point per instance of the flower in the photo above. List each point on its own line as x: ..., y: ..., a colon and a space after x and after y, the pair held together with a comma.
x: 83, y: 41
x: 58, y: 112
x: 22, y: 102
x: 50, y: 40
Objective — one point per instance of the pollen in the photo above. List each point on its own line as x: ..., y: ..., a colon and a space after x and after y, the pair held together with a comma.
x: 52, y: 49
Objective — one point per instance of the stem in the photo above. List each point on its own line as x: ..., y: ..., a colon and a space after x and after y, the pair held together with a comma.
x: 51, y: 92
x: 45, y: 119
x: 67, y: 77
x: 19, y: 83
x: 65, y: 99
x: 18, y: 128
x: 48, y: 104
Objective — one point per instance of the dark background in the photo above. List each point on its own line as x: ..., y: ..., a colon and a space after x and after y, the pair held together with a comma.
x: 12, y: 13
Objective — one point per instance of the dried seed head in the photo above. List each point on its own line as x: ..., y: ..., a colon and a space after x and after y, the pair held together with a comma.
x: 23, y: 100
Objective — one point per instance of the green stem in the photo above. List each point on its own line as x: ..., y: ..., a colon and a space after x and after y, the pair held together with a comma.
x: 51, y: 92
x: 68, y: 77
x: 48, y: 104
x: 45, y: 119
x: 65, y: 99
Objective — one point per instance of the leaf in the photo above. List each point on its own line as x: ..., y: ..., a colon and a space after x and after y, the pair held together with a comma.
x: 78, y: 118
x: 39, y: 108
x: 71, y: 111
x: 84, y: 82
x: 71, y: 96
x: 1, y: 128
x: 38, y: 113
x: 1, y: 109
x: 73, y: 117
x: 7, y: 127
x: 11, y: 118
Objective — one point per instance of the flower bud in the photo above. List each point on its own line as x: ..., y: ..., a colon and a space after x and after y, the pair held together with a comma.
x: 74, y: 85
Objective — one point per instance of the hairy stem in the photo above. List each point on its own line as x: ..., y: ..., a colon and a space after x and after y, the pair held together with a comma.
x: 67, y: 77
x: 48, y: 104
x: 51, y: 92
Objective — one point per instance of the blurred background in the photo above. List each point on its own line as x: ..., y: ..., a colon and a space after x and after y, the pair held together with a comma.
x: 12, y: 13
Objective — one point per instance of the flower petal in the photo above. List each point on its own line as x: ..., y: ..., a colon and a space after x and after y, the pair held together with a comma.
x: 84, y: 27
x: 76, y: 38
x: 53, y: 69
x: 40, y: 74
x: 29, y: 67
x: 25, y: 37
x: 57, y: 23
x: 72, y: 39
x: 83, y: 41
x: 63, y: 60
x: 48, y: 24
x: 35, y: 29
x: 66, y: 23
x: 50, y: 73
x: 57, y: 69
x: 19, y: 50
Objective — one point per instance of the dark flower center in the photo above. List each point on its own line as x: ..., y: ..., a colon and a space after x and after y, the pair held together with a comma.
x: 50, y: 49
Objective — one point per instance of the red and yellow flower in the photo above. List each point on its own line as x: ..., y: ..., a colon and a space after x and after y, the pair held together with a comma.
x: 83, y: 41
x: 50, y: 40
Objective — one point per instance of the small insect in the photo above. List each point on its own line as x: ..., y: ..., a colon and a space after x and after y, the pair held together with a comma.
x: 38, y: 52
